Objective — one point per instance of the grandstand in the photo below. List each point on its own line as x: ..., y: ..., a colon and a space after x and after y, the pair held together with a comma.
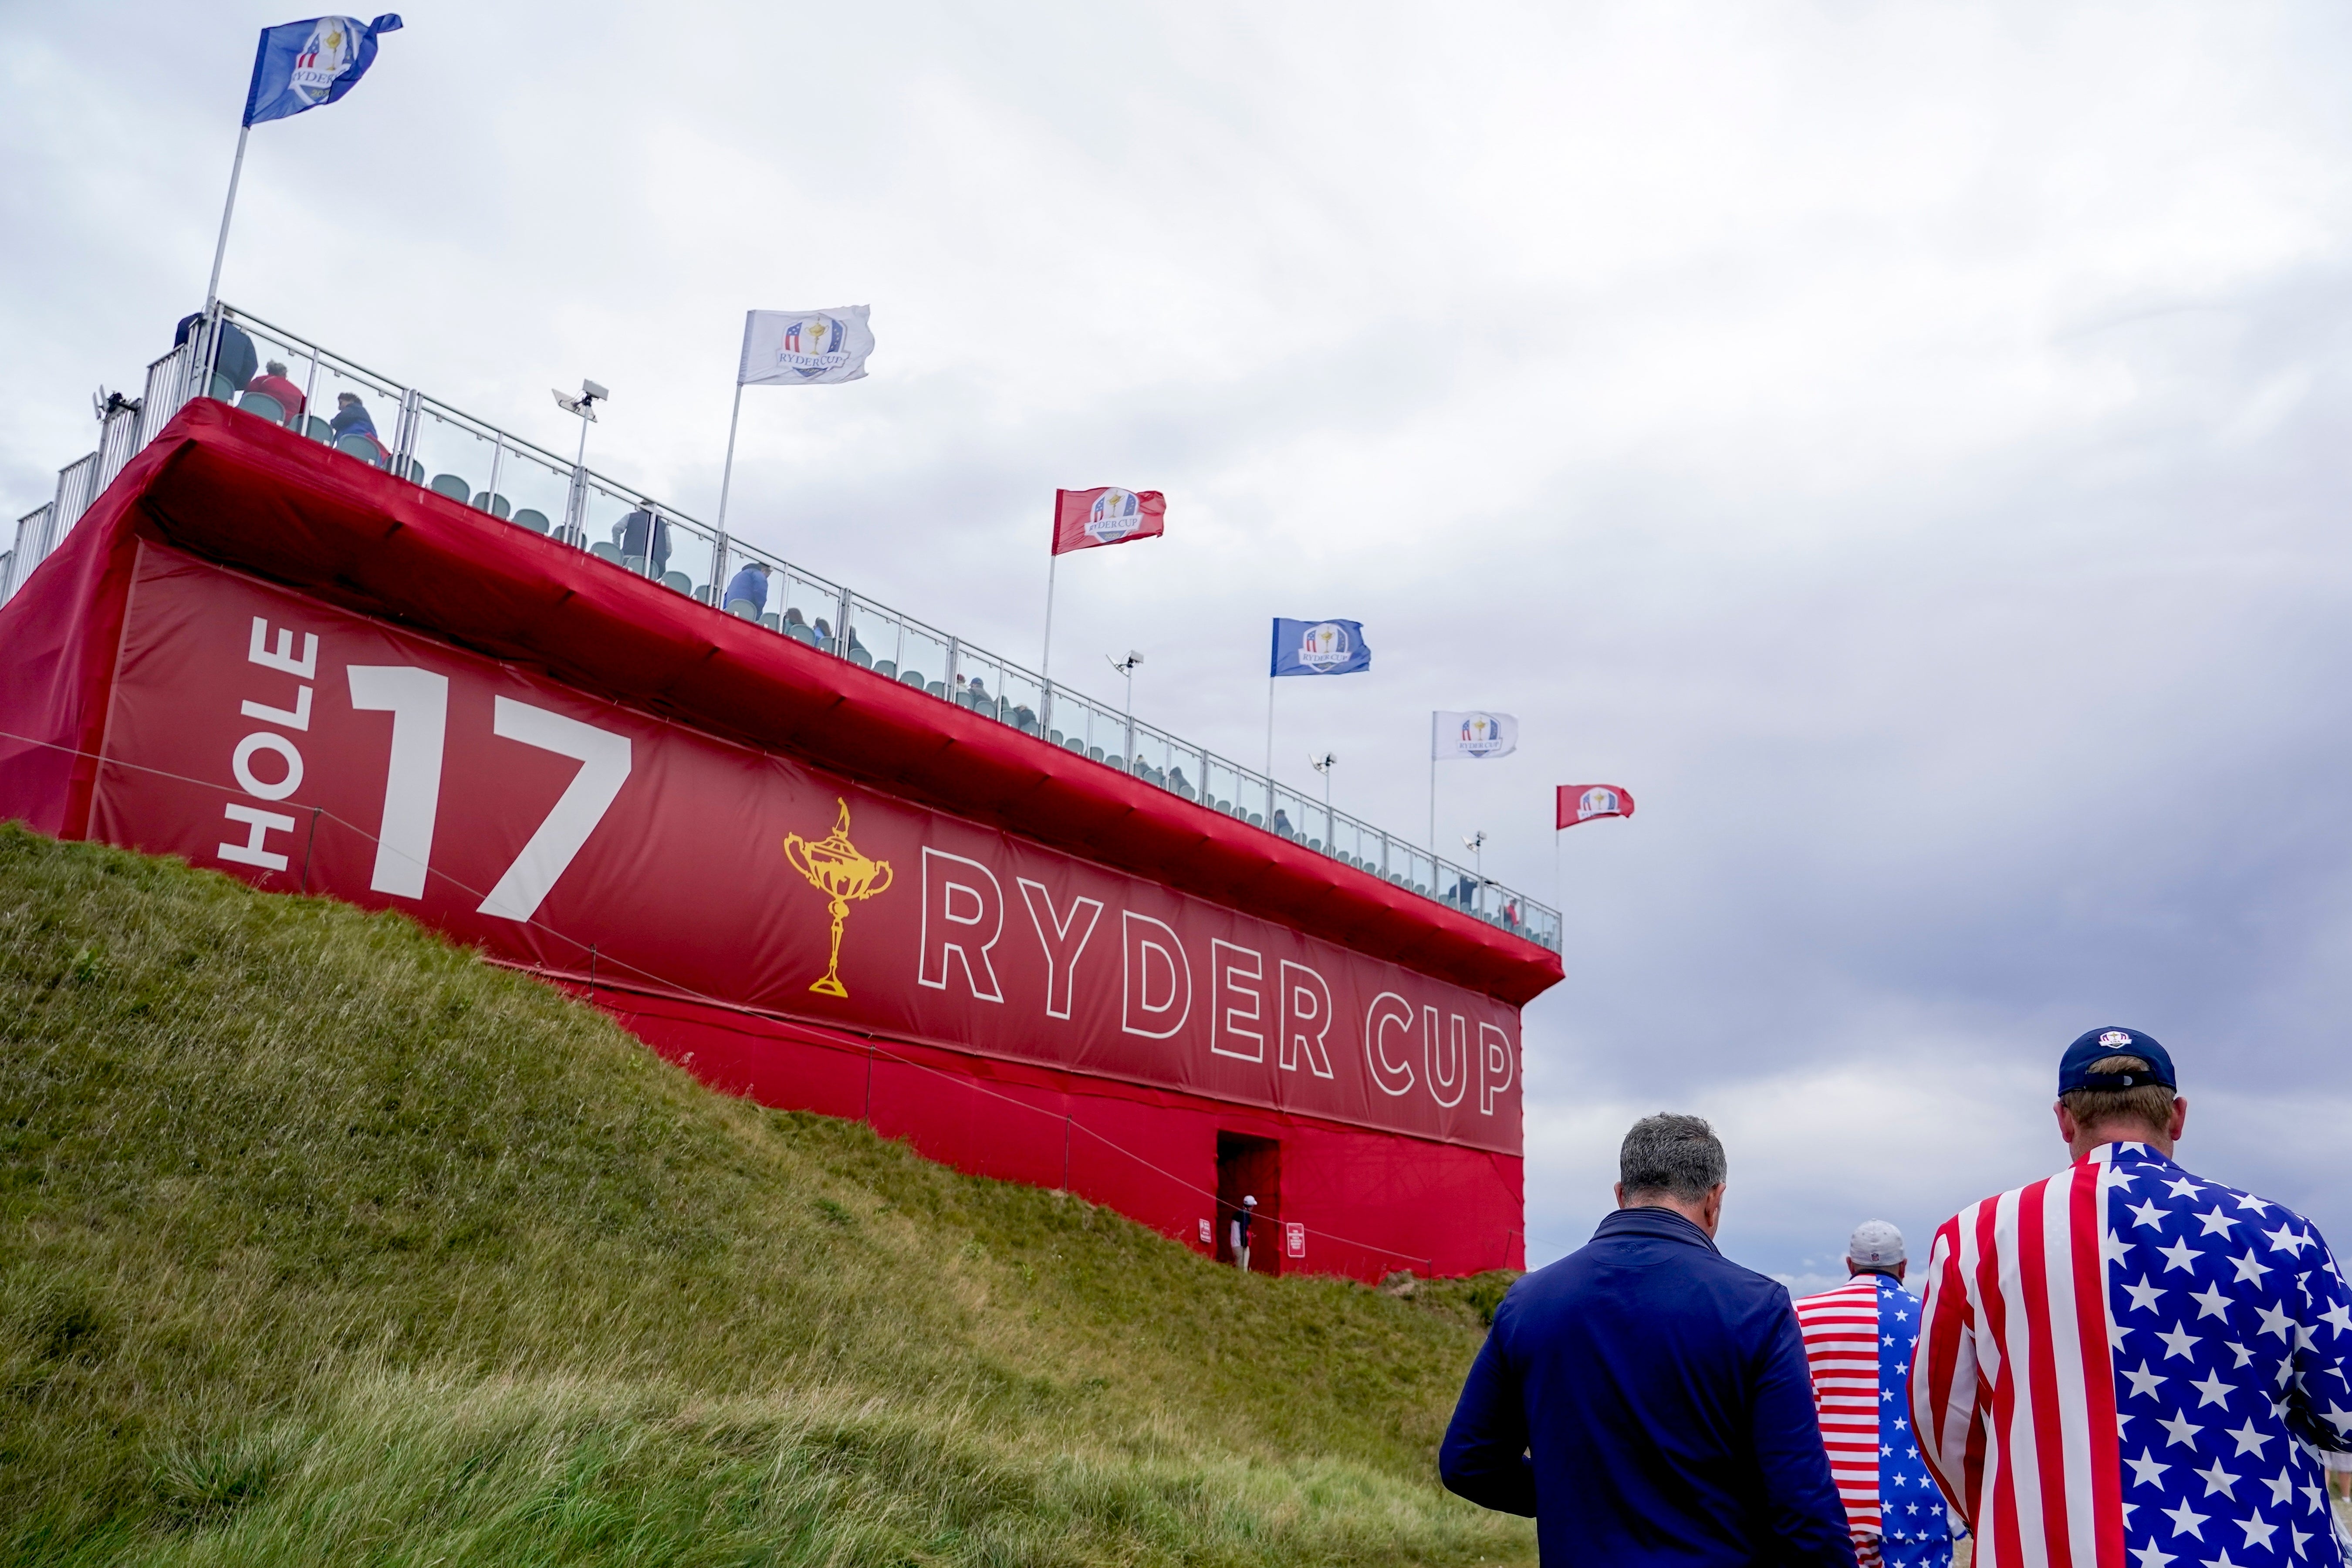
x: 1379, y: 1127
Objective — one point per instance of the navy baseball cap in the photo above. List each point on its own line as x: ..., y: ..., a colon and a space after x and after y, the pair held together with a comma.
x: 2097, y: 1045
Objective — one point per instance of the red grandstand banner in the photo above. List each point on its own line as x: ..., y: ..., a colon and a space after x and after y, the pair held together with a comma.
x: 1105, y: 515
x: 299, y: 746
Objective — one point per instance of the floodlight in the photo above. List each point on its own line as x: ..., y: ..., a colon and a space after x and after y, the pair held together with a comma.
x: 594, y: 391
x: 571, y: 404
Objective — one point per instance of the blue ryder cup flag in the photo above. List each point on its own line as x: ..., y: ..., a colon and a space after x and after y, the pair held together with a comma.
x: 303, y: 65
x: 1320, y: 647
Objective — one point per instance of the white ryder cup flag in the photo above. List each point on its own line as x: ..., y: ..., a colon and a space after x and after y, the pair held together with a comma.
x: 804, y: 348
x: 1472, y: 735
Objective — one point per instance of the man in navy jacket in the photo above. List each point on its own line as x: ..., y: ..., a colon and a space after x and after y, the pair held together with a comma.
x: 1646, y: 1399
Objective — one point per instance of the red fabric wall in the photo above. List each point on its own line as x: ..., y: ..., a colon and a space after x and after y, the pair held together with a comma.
x: 1367, y: 1202
x: 1398, y: 1150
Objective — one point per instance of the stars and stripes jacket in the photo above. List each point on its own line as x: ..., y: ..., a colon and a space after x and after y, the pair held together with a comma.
x: 2125, y: 1366
x: 1858, y: 1342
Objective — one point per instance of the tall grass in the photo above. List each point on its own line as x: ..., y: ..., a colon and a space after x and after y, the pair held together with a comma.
x: 321, y: 1241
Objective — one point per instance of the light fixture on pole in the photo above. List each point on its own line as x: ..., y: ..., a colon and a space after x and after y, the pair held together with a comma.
x: 1126, y: 667
x: 1323, y: 765
x: 584, y: 406
x: 1476, y: 844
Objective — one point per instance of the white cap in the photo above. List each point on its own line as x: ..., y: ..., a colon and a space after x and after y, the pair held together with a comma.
x: 1874, y: 1244
x: 1252, y: 1203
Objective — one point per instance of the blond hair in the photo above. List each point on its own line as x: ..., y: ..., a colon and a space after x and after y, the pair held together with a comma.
x: 2150, y: 1104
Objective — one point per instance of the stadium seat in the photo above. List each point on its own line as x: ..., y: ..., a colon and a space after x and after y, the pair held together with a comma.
x: 800, y: 633
x: 679, y: 581
x: 635, y: 563
x: 414, y: 472
x: 860, y: 658
x: 531, y: 518
x: 450, y: 485
x: 262, y: 404
x: 1095, y: 752
x: 914, y: 678
x: 604, y: 551
x: 366, y: 449
x: 772, y: 621
x: 886, y: 668
x: 743, y: 607
x: 318, y: 430
x: 224, y: 388
x: 497, y: 506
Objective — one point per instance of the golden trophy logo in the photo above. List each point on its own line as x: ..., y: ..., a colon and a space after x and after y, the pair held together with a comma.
x: 834, y: 867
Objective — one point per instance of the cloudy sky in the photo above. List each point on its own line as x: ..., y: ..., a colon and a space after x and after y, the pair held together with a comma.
x: 1903, y: 443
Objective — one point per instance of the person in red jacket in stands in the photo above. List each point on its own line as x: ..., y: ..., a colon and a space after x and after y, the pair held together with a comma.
x: 272, y: 383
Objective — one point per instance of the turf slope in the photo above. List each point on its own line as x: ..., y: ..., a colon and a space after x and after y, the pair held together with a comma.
x: 322, y: 1242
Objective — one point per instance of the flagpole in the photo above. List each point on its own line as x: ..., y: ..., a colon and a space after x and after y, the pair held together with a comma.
x: 1046, y: 657
x: 220, y: 246
x: 1269, y: 751
x: 1432, y: 787
x: 727, y: 474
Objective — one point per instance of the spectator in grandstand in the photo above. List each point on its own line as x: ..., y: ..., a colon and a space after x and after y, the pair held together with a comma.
x: 637, y: 528
x: 236, y: 359
x: 1282, y: 822
x: 352, y: 418
x: 272, y: 383
x: 751, y: 585
x: 1645, y: 1399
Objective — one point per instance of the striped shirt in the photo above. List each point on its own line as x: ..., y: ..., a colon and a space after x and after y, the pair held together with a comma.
x: 1842, y: 1347
x: 2107, y: 1358
x: 1859, y: 1339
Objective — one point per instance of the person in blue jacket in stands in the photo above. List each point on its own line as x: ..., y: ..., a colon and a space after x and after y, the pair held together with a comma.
x: 750, y: 585
x: 1646, y: 1399
x: 351, y: 416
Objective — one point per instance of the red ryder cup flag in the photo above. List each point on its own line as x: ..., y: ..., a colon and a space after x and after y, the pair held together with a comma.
x: 306, y: 64
x: 1582, y: 803
x: 804, y: 348
x: 1473, y: 735
x: 1107, y: 515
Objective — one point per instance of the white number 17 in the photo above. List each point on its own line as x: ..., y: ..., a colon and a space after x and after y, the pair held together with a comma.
x: 418, y: 701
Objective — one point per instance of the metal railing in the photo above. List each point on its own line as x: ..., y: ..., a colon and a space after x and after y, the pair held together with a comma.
x: 523, y: 485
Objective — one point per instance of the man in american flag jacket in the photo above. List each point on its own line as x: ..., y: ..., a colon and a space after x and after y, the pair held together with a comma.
x: 2126, y: 1365
x: 1858, y: 1344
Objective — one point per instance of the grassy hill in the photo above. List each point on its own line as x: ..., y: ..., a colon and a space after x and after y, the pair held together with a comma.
x: 322, y: 1242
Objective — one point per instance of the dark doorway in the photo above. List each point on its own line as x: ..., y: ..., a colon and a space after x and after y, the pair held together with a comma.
x: 1250, y: 1167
